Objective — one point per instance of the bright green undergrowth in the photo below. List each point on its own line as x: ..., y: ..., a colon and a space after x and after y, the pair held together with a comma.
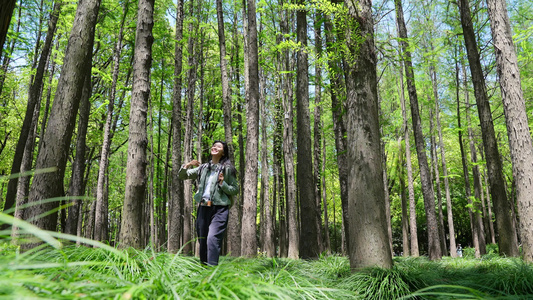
x: 58, y: 269
x: 74, y: 272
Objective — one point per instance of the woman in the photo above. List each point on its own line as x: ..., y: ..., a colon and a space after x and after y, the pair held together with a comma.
x: 216, y: 185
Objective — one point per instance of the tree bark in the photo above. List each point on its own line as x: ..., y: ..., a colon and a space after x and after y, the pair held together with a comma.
x: 477, y: 222
x: 516, y: 119
x: 34, y: 97
x: 451, y: 229
x: 434, y: 248
x: 435, y: 162
x: 288, y: 150
x: 317, y: 133
x: 132, y: 213
x: 339, y: 121
x: 235, y: 213
x: 508, y: 244
x: 310, y: 241
x: 56, y: 140
x: 369, y: 241
x: 175, y: 207
x: 187, y: 140
x: 101, y: 226
x: 77, y: 186
x: 5, y: 20
x: 249, y: 224
x: 267, y: 239
x: 410, y: 181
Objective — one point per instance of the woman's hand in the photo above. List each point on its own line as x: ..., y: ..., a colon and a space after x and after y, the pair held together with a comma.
x: 193, y: 162
x: 220, y: 178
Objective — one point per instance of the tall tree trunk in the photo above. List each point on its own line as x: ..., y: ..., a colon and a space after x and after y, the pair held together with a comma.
x: 56, y: 141
x: 288, y: 150
x: 410, y: 181
x: 405, y: 216
x: 508, y: 243
x: 249, y: 224
x: 278, y: 188
x: 489, y: 206
x: 369, y: 242
x: 77, y: 186
x: 226, y: 89
x: 327, y: 239
x: 5, y: 20
x: 234, y: 227
x: 267, y: 240
x: 6, y: 59
x: 24, y: 181
x: 187, y: 140
x: 175, y: 207
x: 451, y: 229
x: 100, y: 223
x: 317, y: 128
x: 435, y: 162
x: 434, y: 248
x: 34, y: 97
x: 309, y: 245
x: 477, y: 222
x: 516, y: 119
x: 132, y: 213
x: 339, y: 123
x: 468, y: 192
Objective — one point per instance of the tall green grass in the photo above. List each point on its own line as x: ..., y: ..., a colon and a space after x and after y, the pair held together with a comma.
x: 60, y: 270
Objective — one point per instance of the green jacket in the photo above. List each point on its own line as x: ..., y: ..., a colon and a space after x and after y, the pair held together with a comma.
x: 222, y: 194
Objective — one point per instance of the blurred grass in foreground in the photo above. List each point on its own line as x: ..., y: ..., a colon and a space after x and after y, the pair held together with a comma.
x: 56, y: 271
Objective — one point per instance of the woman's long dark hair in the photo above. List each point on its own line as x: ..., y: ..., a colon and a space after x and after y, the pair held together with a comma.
x: 224, y: 160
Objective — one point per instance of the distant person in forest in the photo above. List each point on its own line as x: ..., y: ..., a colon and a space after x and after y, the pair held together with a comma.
x: 216, y: 185
x: 459, y: 251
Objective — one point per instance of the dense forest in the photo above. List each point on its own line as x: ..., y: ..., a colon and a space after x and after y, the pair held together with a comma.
x: 369, y: 129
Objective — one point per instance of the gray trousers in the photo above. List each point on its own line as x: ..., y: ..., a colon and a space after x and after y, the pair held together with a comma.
x: 211, y: 224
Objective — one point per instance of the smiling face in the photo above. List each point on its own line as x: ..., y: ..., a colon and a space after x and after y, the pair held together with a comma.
x: 217, y: 151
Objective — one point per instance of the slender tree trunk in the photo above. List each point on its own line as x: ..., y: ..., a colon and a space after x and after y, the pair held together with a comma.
x: 387, y: 198
x: 34, y: 97
x: 489, y: 206
x: 288, y: 150
x: 516, y: 119
x: 405, y: 217
x: 451, y: 229
x: 56, y: 141
x: 132, y: 213
x: 410, y: 181
x: 317, y: 130
x: 4, y: 53
x: 100, y: 223
x: 24, y: 181
x: 327, y: 240
x: 477, y: 222
x: 309, y: 246
x: 508, y: 243
x: 369, y: 242
x: 267, y: 240
x: 175, y: 207
x: 234, y: 227
x: 5, y: 20
x: 187, y: 141
x: 77, y: 186
x: 434, y: 248
x: 279, y: 188
x: 249, y: 224
x: 435, y: 162
x: 339, y: 123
